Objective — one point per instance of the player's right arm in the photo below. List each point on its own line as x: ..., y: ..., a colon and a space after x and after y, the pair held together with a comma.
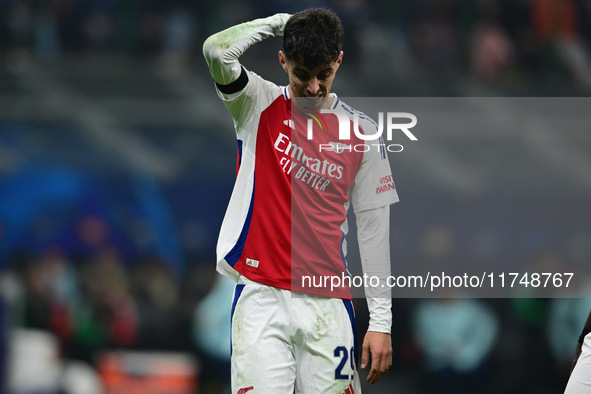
x: 223, y: 49
x: 242, y: 91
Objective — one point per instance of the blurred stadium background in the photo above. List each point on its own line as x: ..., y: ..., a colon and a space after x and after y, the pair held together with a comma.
x: 117, y: 161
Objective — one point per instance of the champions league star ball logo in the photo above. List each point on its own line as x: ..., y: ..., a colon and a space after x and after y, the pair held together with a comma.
x: 345, y: 130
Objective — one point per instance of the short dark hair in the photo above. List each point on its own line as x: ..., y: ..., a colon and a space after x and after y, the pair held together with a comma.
x: 313, y: 37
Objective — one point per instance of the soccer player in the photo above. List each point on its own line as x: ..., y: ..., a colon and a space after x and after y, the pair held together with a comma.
x: 580, y: 378
x: 286, y: 219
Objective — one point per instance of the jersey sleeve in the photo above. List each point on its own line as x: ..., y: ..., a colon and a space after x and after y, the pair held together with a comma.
x: 247, y: 103
x: 242, y: 91
x: 373, y: 232
x: 222, y: 50
x: 373, y: 186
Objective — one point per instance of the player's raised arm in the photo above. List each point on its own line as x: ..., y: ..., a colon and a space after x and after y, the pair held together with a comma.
x: 223, y: 49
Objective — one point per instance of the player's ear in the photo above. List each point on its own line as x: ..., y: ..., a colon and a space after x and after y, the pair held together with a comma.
x: 337, y: 63
x: 283, y: 60
x: 340, y: 59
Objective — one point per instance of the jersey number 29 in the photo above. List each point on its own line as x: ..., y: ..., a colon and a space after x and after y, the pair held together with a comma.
x: 345, y: 354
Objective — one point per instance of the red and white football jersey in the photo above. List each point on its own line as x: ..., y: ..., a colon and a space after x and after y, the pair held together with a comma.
x: 287, y: 216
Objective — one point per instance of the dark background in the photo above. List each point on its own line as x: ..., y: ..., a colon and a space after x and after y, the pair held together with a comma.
x: 117, y: 161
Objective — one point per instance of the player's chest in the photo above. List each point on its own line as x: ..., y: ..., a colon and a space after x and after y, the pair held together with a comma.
x: 306, y: 147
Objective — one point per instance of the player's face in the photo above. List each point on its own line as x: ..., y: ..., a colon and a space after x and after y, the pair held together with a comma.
x: 304, y: 82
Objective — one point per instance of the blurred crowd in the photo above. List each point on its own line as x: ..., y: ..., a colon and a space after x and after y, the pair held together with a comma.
x: 103, y: 298
x: 519, y: 47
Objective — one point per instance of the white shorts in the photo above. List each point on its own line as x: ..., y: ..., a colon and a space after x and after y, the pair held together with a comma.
x: 580, y: 379
x: 283, y: 343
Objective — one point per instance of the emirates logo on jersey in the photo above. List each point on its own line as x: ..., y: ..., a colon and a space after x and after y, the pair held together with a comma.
x: 245, y: 389
x: 321, y: 167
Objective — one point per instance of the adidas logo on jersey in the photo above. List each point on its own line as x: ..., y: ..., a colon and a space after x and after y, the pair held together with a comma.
x: 252, y: 263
